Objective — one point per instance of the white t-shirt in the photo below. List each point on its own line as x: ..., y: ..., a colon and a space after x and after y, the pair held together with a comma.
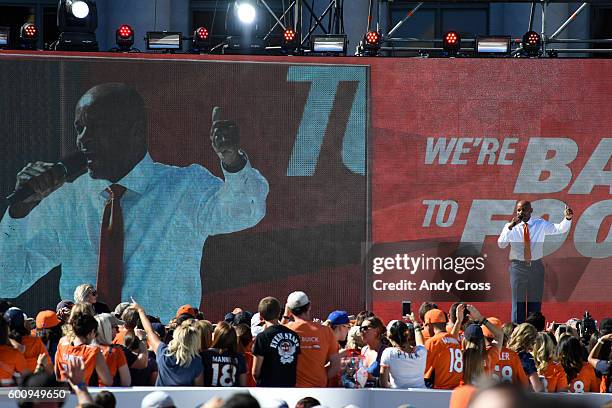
x: 405, y: 369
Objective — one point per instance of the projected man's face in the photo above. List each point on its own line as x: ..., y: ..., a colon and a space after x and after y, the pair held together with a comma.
x: 109, y: 136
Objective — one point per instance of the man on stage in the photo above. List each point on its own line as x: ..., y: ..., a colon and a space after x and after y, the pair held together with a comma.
x: 526, y: 237
x: 133, y: 226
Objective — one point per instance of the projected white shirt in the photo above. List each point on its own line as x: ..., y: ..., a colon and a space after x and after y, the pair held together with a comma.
x: 538, y: 229
x: 168, y: 214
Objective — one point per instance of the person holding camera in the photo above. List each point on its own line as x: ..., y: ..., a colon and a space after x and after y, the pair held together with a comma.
x: 602, y: 367
x: 526, y: 252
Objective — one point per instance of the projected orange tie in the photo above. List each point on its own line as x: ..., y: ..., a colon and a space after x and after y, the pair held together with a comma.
x: 110, y: 265
x: 527, y: 243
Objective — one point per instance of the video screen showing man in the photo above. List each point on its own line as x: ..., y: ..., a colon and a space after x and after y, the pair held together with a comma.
x: 132, y: 225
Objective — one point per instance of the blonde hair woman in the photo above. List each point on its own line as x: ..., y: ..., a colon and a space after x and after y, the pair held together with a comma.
x: 79, y: 309
x: 113, y: 354
x: 179, y: 362
x: 522, y: 342
x: 545, y: 353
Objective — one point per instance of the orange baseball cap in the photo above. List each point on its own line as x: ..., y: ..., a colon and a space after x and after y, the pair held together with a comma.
x: 187, y: 309
x: 46, y: 319
x: 495, y: 322
x: 435, y: 316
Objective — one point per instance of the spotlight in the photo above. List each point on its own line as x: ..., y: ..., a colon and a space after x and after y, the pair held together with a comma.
x: 77, y: 22
x: 290, y: 42
x: 200, y: 41
x: 124, y: 37
x: 245, y: 12
x: 370, y: 44
x: 28, y: 35
x: 532, y: 43
x: 492, y: 46
x: 451, y: 43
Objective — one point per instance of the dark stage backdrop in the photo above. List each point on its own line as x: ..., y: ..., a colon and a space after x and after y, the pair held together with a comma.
x: 302, y: 125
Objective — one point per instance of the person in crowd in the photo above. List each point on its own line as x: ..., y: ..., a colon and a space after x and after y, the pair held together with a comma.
x: 245, y: 347
x: 49, y: 331
x: 81, y: 308
x: 113, y: 354
x: 580, y: 375
x: 490, y: 355
x: 257, y: 324
x: 537, y: 319
x: 33, y: 346
x: 120, y: 308
x: 13, y: 362
x: 105, y: 399
x: 63, y: 309
x: 307, y: 402
x: 206, y: 331
x: 549, y: 369
x: 339, y: 322
x: 87, y: 293
x: 423, y: 309
x: 403, y: 365
x: 444, y: 366
x: 276, y: 350
x: 223, y: 365
x: 508, y: 368
x: 603, y: 367
x: 178, y: 362
x: 130, y: 320
x: 157, y: 399
x: 459, y: 318
x: 474, y: 355
x: 319, y: 360
x: 522, y: 342
x: 79, y: 347
x: 373, y: 332
x: 136, y: 348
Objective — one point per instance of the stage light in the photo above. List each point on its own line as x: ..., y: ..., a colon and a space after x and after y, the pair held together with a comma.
x: 77, y: 22
x: 28, y: 35
x: 5, y: 33
x: 328, y: 44
x: 451, y: 43
x: 370, y: 44
x: 245, y: 11
x: 164, y: 40
x: 200, y: 41
x: 532, y: 43
x: 244, y: 27
x: 290, y: 42
x: 493, y: 46
x: 124, y: 37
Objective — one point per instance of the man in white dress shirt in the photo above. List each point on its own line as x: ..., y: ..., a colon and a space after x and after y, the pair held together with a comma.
x: 167, y: 212
x: 526, y: 238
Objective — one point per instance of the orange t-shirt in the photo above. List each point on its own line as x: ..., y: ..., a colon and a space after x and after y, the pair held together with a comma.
x: 509, y: 368
x: 444, y: 361
x: 248, y: 357
x: 461, y: 396
x: 317, y: 345
x: 33, y: 348
x: 602, y: 387
x: 555, y: 377
x: 11, y: 361
x: 492, y: 357
x: 119, y: 337
x: 67, y: 352
x: 585, y: 381
x: 114, y: 358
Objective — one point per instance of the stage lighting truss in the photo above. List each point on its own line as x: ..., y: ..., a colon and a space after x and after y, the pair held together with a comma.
x: 532, y: 44
x: 290, y: 43
x: 28, y: 36
x: 451, y: 43
x: 370, y: 44
x: 124, y: 37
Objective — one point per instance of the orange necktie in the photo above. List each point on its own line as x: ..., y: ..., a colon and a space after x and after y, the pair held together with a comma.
x: 110, y: 265
x: 527, y: 243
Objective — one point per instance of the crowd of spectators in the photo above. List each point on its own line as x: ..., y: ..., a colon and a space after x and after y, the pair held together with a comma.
x: 85, y: 343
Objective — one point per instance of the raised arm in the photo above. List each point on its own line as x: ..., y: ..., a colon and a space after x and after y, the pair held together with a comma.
x: 152, y: 337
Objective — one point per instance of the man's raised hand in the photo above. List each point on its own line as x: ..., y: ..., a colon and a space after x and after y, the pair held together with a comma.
x: 225, y: 139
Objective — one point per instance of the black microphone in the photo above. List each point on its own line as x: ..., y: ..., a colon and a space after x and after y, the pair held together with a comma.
x: 70, y: 166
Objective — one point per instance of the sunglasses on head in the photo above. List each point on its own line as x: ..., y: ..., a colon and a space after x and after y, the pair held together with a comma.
x: 364, y: 328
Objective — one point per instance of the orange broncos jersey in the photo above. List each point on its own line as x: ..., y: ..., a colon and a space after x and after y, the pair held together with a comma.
x: 554, y: 376
x: 444, y: 361
x: 509, y: 368
x: 585, y: 381
x: 68, y: 352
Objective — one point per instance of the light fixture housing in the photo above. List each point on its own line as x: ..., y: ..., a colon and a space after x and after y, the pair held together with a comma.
x: 5, y: 37
x: 532, y: 44
x: 28, y: 36
x: 124, y: 37
x: 164, y: 40
x: 498, y: 45
x: 328, y: 44
x: 290, y: 42
x: 451, y: 43
x: 370, y: 44
x: 77, y: 21
x: 201, y: 40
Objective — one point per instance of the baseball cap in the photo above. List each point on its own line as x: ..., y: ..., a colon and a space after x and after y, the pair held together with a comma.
x: 14, y: 317
x: 338, y: 317
x: 157, y: 399
x: 115, y: 321
x: 63, y: 304
x: 256, y: 320
x: 160, y: 329
x: 435, y: 316
x: 390, y: 324
x: 228, y: 318
x: 473, y: 333
x: 46, y: 319
x: 297, y: 299
x: 495, y: 322
x: 605, y: 327
x: 242, y: 318
x: 187, y: 309
x: 120, y: 308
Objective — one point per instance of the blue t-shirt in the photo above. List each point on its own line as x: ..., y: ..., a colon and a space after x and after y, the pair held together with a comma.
x: 528, y: 363
x: 170, y: 373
